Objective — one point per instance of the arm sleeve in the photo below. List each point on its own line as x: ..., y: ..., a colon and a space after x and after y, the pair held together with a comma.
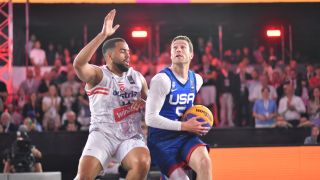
x: 282, y: 106
x: 300, y: 107
x: 159, y: 88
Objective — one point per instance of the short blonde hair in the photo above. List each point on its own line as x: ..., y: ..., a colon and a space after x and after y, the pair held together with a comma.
x: 186, y: 38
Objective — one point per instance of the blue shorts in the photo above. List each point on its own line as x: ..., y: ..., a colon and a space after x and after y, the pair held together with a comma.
x: 174, y: 153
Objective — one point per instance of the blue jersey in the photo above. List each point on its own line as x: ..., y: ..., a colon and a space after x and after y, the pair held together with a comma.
x: 172, y: 149
x: 180, y: 98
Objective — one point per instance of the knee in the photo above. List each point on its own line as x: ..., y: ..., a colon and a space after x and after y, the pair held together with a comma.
x: 204, y: 164
x: 84, y: 176
x: 142, y: 165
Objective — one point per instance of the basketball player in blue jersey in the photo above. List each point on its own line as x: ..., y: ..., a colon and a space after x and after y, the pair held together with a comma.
x: 175, y: 145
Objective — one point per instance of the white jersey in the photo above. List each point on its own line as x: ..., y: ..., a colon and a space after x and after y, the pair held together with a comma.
x: 110, y: 103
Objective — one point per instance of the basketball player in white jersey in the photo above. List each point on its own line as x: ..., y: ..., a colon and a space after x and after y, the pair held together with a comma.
x: 116, y: 94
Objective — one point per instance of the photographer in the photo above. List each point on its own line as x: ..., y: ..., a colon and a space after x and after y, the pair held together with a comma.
x: 22, y: 156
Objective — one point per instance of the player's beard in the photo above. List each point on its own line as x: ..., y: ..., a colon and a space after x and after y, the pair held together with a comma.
x: 121, y: 67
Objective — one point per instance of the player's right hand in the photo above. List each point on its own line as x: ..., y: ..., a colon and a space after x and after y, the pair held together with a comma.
x: 194, y: 126
x: 138, y: 104
x: 108, y: 29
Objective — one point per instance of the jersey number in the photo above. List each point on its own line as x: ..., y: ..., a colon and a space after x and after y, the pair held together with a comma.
x: 180, y: 110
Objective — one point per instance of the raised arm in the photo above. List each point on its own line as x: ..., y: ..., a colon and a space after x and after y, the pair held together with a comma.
x: 89, y: 73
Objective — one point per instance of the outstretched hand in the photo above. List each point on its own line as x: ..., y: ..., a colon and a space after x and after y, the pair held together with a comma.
x: 108, y: 29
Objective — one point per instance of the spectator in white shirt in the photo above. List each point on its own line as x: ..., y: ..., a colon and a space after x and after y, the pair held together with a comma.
x: 38, y: 55
x: 264, y: 82
x: 291, y: 106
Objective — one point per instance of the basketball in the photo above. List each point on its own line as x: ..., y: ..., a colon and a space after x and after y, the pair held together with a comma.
x: 201, y: 111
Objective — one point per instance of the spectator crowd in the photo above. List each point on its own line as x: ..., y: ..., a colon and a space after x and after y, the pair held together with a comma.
x: 245, y: 88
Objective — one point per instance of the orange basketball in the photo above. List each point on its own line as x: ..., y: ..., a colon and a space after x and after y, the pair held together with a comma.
x: 201, y: 111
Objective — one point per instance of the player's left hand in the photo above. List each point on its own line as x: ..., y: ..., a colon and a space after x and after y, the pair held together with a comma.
x: 194, y: 126
x: 138, y: 104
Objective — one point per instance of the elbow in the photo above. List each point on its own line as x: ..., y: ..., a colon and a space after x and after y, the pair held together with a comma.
x: 147, y: 120
x: 76, y: 64
x: 148, y: 123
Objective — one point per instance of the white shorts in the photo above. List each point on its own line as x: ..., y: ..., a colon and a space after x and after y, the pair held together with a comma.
x: 105, y: 146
